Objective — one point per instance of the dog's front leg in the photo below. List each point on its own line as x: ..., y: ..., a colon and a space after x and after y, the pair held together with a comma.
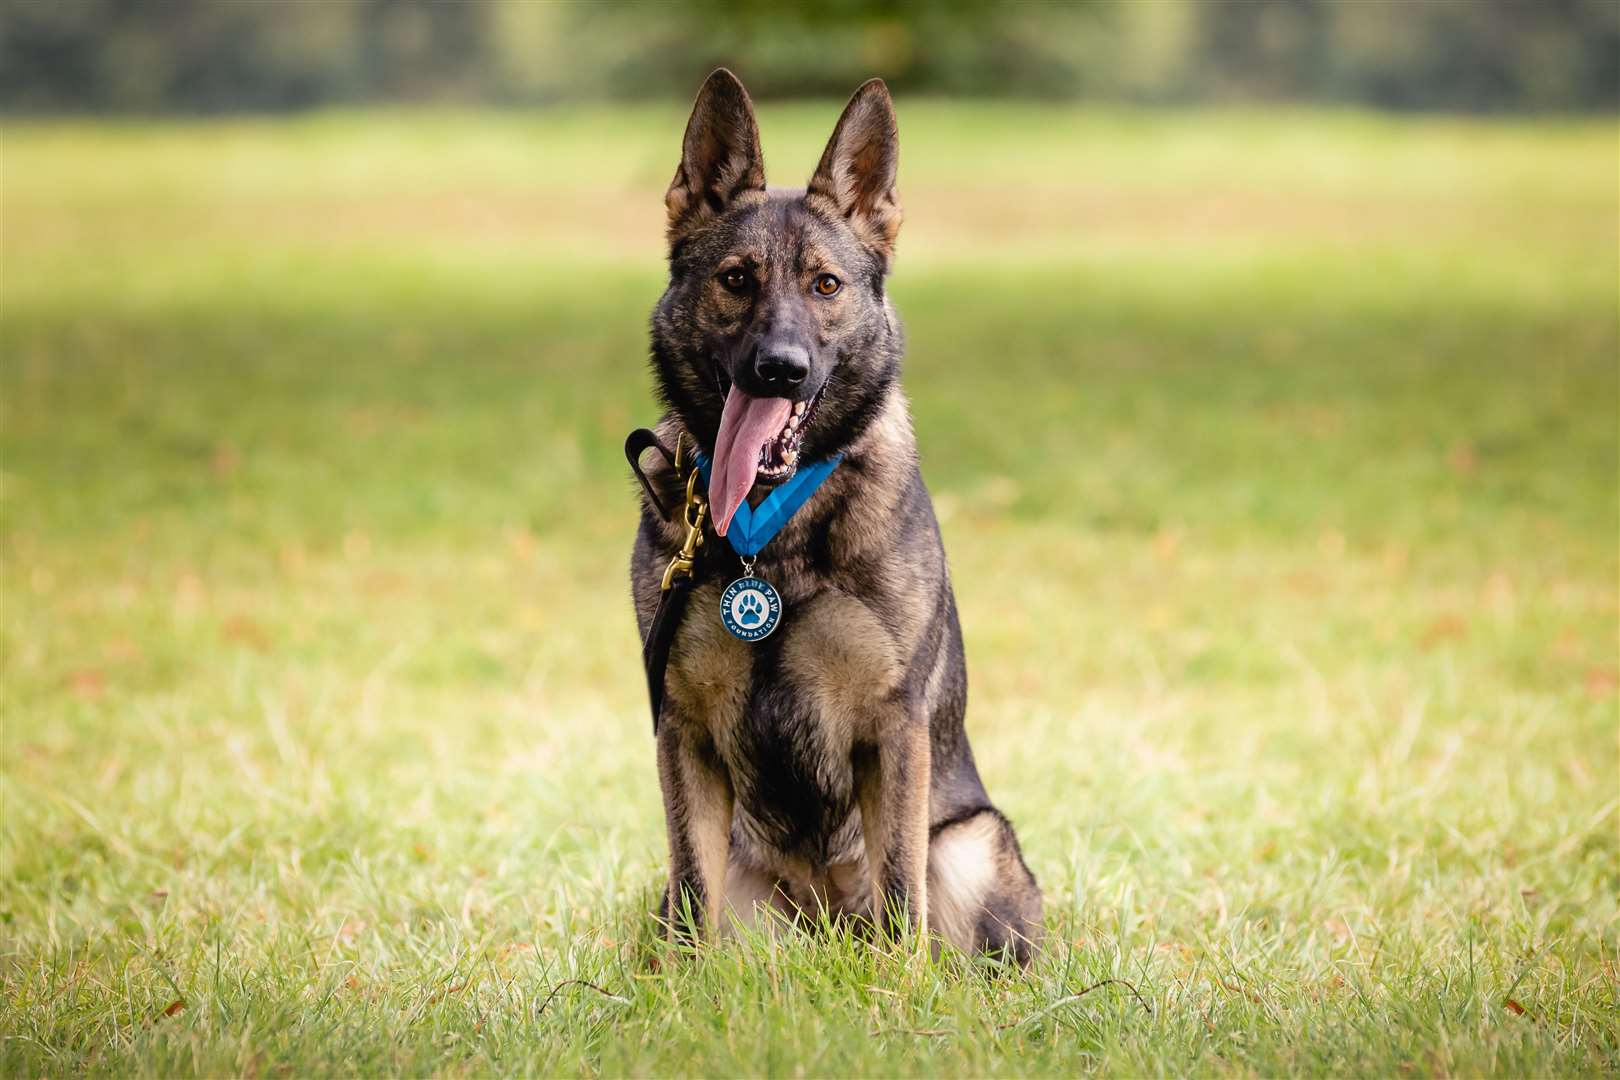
x: 697, y: 815
x: 892, y: 785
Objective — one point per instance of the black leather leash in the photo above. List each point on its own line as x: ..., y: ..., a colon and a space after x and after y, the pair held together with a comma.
x: 682, y: 569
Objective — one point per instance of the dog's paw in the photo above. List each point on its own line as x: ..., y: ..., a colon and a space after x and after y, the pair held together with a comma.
x: 750, y: 611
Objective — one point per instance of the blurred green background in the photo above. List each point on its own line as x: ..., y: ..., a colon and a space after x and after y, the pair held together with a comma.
x: 203, y: 56
x: 1274, y: 436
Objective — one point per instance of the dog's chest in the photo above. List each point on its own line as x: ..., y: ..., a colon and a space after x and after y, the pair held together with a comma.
x: 787, y: 714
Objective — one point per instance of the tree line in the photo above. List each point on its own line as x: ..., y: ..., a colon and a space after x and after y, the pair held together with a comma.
x: 207, y: 56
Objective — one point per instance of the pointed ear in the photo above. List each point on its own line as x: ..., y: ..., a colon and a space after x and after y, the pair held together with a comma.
x: 857, y: 171
x: 720, y: 156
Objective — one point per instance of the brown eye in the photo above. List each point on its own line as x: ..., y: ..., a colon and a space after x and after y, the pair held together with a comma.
x: 735, y: 279
x: 827, y: 285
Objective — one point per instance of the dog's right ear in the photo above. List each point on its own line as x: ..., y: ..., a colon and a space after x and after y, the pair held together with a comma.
x: 720, y: 156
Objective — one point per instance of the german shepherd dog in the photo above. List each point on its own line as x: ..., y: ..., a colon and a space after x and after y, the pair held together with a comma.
x: 824, y: 769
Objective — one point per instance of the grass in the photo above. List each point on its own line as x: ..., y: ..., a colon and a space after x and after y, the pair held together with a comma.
x: 1276, y: 455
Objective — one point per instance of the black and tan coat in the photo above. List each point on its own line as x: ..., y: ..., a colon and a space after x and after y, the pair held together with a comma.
x: 826, y: 767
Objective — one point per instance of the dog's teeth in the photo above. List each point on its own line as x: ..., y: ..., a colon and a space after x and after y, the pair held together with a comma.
x: 790, y: 457
x: 798, y: 408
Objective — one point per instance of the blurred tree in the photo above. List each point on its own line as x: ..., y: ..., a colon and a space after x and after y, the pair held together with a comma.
x: 1433, y: 54
x: 829, y: 47
x: 209, y: 55
x: 205, y: 55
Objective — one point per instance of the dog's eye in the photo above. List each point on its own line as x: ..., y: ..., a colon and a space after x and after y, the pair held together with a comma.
x: 827, y: 285
x: 735, y: 279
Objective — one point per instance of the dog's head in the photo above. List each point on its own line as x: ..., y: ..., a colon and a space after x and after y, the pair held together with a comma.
x: 775, y: 342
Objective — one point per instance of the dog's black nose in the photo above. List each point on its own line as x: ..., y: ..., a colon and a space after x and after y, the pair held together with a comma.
x: 782, y: 365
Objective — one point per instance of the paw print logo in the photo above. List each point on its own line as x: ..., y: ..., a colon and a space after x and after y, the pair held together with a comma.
x: 749, y: 610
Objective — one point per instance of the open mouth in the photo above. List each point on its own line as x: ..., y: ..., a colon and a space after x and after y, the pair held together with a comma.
x: 780, y: 457
x: 758, y: 443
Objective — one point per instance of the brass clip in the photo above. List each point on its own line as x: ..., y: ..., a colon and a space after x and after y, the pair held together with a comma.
x: 696, y: 513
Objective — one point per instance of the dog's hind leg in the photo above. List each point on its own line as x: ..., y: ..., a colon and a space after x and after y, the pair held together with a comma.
x: 981, y: 896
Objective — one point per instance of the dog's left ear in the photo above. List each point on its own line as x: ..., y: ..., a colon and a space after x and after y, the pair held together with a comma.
x: 858, y: 168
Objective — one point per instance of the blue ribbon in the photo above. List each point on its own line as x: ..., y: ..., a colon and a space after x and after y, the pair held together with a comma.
x: 752, y: 527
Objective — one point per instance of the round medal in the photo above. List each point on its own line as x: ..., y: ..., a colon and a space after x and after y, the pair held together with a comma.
x: 750, y: 608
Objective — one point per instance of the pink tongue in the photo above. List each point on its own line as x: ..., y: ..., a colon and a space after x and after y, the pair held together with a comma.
x: 746, y: 425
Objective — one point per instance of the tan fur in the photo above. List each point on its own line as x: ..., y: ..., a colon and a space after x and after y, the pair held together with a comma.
x: 936, y: 674
x: 973, y: 871
x: 847, y: 662
x: 961, y: 868
x: 711, y: 808
x: 708, y: 668
x: 698, y: 804
x: 752, y: 895
x: 894, y: 816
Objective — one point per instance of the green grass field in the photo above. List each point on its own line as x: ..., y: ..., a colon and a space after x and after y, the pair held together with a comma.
x: 1276, y: 456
